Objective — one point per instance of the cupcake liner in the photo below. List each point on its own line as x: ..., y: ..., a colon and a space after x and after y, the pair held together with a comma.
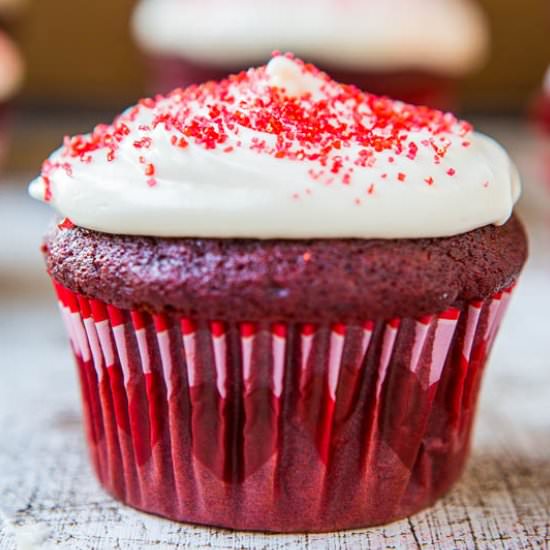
x: 276, y: 426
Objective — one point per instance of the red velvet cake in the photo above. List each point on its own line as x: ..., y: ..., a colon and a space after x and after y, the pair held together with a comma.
x: 281, y: 293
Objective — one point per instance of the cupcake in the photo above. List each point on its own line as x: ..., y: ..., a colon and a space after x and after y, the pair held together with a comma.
x: 415, y: 50
x: 281, y: 293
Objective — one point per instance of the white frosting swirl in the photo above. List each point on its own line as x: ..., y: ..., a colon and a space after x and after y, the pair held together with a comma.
x: 445, y: 36
x: 455, y: 181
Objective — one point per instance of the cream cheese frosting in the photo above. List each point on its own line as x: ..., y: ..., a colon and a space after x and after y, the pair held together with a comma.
x: 280, y: 152
x: 449, y: 37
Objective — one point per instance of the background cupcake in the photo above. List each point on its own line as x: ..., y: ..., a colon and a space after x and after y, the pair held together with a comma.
x: 11, y: 71
x: 297, y: 342
x: 415, y: 51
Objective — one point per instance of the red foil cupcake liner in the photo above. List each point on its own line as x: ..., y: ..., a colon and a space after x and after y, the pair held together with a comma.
x: 274, y: 426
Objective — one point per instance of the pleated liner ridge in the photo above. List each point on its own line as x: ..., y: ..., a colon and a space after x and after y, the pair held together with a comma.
x: 278, y: 427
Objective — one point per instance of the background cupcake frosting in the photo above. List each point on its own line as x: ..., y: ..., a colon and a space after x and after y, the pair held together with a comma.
x: 448, y: 37
x: 375, y: 45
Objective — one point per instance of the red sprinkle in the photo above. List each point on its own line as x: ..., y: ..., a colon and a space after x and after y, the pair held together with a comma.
x: 66, y: 223
x: 47, y: 188
x: 401, y: 176
x: 451, y: 171
x: 143, y: 143
x: 413, y: 150
x: 150, y: 170
x: 148, y: 103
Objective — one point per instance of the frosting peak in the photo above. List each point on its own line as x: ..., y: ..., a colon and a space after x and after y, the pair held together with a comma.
x: 288, y: 75
x: 280, y: 152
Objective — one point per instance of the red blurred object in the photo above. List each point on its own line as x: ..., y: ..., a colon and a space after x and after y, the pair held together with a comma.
x: 540, y: 108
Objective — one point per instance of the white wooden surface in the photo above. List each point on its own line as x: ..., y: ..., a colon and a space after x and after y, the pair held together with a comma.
x: 50, y: 499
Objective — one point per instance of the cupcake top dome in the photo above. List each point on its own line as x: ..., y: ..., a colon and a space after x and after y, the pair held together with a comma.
x: 280, y: 151
x: 446, y: 37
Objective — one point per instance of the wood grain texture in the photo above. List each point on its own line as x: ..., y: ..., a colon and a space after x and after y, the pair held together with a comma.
x: 50, y: 499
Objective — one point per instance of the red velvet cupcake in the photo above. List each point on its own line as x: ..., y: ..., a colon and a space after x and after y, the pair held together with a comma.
x: 281, y: 294
x: 414, y: 50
